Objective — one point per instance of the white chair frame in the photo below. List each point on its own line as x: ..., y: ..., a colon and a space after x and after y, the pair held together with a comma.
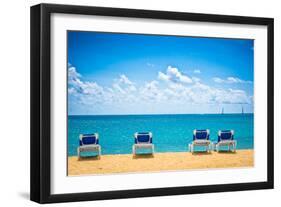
x: 230, y: 143
x: 89, y: 147
x: 143, y: 145
x: 206, y: 143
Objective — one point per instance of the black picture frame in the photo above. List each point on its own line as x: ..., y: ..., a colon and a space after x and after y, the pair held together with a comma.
x: 41, y: 99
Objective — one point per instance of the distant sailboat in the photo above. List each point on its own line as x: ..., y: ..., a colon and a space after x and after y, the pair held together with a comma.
x: 242, y: 110
x: 222, y: 110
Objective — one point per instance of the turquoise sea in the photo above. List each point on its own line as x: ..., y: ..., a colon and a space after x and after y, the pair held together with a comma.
x: 171, y: 133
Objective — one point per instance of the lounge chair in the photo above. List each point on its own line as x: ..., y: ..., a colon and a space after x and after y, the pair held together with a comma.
x: 89, y: 143
x: 143, y: 140
x: 201, y: 138
x: 226, y: 138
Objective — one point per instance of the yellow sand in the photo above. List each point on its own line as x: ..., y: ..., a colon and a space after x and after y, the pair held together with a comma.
x: 159, y: 162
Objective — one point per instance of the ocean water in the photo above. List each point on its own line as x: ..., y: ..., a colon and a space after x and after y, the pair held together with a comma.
x: 171, y: 133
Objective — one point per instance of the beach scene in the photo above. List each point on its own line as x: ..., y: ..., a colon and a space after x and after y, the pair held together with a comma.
x: 140, y: 103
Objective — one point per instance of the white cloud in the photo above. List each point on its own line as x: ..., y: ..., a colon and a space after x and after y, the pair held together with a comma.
x: 197, y: 71
x: 151, y: 92
x: 234, y: 80
x: 124, y: 79
x: 195, y: 79
x: 163, y: 77
x: 174, y: 75
x: 76, y: 85
x: 84, y: 92
x: 150, y: 64
x: 218, y: 80
x: 230, y: 80
x: 124, y: 85
x: 71, y: 91
x: 73, y: 75
x: 201, y: 93
x: 171, y: 90
x: 232, y: 96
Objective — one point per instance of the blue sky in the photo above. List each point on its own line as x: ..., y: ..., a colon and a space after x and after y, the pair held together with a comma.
x: 113, y: 73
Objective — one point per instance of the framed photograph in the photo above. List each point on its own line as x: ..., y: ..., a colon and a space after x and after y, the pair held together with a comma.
x: 132, y: 103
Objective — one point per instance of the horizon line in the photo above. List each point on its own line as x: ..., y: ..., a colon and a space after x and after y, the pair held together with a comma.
x: 152, y: 114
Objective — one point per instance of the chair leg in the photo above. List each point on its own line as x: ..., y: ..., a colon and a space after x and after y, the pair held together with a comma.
x: 78, y: 152
x: 208, y: 148
x: 133, y: 149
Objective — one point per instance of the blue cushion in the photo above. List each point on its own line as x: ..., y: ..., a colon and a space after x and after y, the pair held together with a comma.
x: 89, y: 139
x: 143, y: 137
x: 201, y: 134
x: 225, y: 135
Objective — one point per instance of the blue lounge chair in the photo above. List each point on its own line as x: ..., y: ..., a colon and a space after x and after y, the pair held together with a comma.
x: 89, y: 143
x: 143, y: 140
x: 226, y: 138
x: 201, y: 138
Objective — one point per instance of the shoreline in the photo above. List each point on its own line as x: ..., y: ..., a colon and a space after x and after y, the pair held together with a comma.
x: 170, y: 161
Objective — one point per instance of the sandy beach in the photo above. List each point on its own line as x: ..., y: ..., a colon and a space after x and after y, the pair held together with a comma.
x: 159, y: 162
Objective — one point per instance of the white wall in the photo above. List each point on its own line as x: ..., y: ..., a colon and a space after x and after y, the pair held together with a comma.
x: 14, y: 104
